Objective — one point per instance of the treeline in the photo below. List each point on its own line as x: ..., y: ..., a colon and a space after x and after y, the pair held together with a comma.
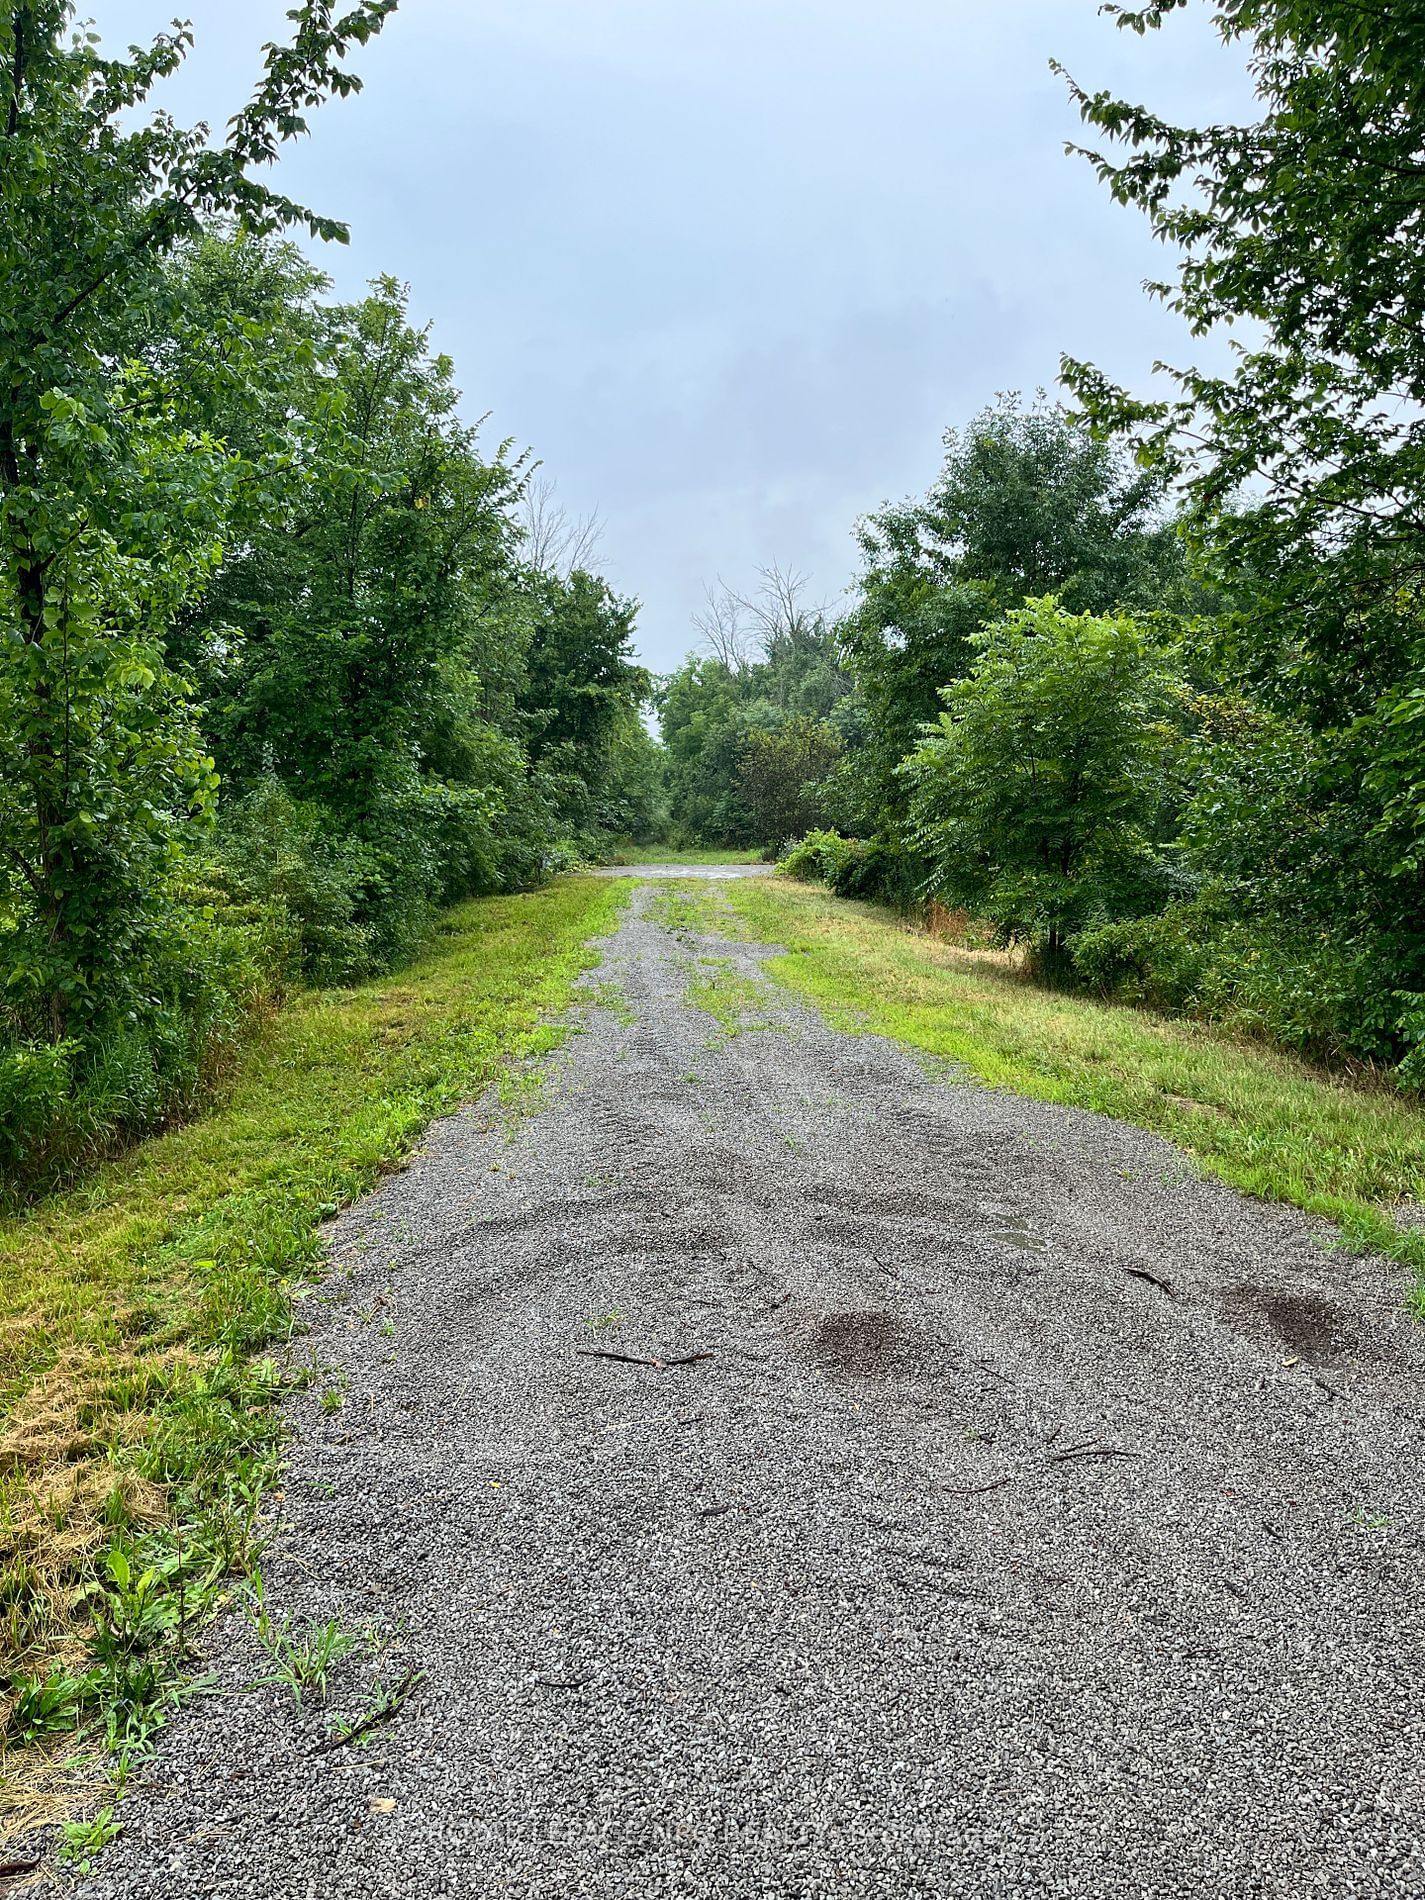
x: 282, y: 668
x: 1143, y: 684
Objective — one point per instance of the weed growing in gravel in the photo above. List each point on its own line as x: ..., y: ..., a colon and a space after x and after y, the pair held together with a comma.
x: 383, y: 1700
x: 303, y: 1656
x: 81, y: 1840
x: 731, y: 1000
x: 1259, y: 1119
x: 133, y: 1414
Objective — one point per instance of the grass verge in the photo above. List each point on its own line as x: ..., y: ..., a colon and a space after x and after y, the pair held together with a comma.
x: 634, y: 854
x: 1259, y: 1119
x: 137, y: 1430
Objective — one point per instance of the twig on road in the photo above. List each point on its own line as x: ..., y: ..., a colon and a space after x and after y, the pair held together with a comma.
x: 1151, y: 1279
x: 390, y: 1702
x: 636, y: 1359
x: 1089, y: 1451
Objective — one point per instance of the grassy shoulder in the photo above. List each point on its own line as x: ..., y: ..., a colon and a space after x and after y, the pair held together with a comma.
x: 135, y: 1413
x: 1259, y: 1119
x: 634, y: 854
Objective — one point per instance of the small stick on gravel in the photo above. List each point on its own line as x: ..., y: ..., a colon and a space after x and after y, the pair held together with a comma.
x: 1151, y: 1279
x: 975, y: 1490
x: 1090, y: 1451
x: 561, y: 1682
x: 635, y: 1359
x: 390, y: 1703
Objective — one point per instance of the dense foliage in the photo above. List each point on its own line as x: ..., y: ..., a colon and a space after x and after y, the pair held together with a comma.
x: 754, y: 726
x: 278, y: 673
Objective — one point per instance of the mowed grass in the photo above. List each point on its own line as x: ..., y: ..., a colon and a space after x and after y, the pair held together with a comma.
x: 135, y: 1403
x: 635, y: 854
x: 1255, y: 1117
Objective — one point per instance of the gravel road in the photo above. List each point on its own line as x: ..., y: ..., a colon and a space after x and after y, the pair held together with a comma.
x: 1010, y: 1513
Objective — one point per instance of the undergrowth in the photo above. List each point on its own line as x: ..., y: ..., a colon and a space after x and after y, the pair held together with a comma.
x: 139, y: 1311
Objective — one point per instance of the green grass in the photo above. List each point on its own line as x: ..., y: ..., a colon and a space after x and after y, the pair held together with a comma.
x: 1259, y: 1119
x: 736, y: 1004
x: 135, y: 1403
x: 635, y: 854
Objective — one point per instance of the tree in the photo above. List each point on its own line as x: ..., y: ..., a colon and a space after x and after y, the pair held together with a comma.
x: 1304, y: 465
x: 1026, y: 503
x: 555, y: 543
x: 1038, y: 801
x: 1306, y: 462
x: 774, y: 661
x: 581, y: 696
x: 112, y: 504
x: 781, y: 776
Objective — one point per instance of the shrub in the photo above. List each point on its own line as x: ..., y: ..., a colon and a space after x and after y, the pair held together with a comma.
x: 148, y: 1050
x: 1039, y: 799
x: 1160, y: 960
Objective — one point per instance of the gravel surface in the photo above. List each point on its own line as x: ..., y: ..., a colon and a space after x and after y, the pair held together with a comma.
x: 1044, y: 1521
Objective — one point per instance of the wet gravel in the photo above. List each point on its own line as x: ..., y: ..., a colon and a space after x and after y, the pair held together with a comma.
x: 1045, y: 1521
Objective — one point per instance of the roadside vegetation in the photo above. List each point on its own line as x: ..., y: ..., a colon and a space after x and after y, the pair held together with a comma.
x: 1256, y: 1117
x: 291, y: 658
x: 1141, y: 685
x: 140, y: 1311
x: 670, y: 854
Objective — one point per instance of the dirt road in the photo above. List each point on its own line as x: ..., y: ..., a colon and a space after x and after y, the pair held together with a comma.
x: 791, y: 1473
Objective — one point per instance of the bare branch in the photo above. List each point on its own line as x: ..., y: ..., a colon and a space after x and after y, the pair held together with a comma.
x: 723, y: 626
x: 556, y: 543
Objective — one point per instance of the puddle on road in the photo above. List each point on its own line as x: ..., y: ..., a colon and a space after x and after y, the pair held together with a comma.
x: 1020, y: 1237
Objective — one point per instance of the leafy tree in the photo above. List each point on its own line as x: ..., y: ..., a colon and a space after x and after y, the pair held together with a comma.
x: 773, y: 660
x: 781, y: 775
x: 1304, y: 464
x: 705, y: 710
x: 112, y: 504
x: 1027, y: 503
x: 1039, y: 800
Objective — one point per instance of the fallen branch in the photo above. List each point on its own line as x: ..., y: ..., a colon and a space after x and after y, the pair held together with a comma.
x: 635, y: 1359
x: 1142, y: 1273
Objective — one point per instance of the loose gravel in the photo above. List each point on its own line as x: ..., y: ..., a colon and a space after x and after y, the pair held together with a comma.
x: 1044, y: 1521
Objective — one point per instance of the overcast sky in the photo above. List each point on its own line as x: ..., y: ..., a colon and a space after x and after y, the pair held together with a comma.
x: 730, y: 267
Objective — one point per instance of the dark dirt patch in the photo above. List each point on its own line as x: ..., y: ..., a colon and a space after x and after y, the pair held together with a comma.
x: 856, y: 1342
x: 1309, y: 1325
x: 1306, y: 1323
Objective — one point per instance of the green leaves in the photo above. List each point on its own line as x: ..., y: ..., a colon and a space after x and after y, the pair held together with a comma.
x: 1039, y: 800
x: 114, y: 499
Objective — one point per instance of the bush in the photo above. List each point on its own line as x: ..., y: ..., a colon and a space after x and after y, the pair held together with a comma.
x: 146, y: 1054
x: 1160, y: 960
x: 878, y: 870
x: 36, y: 1100
x: 1328, y: 998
